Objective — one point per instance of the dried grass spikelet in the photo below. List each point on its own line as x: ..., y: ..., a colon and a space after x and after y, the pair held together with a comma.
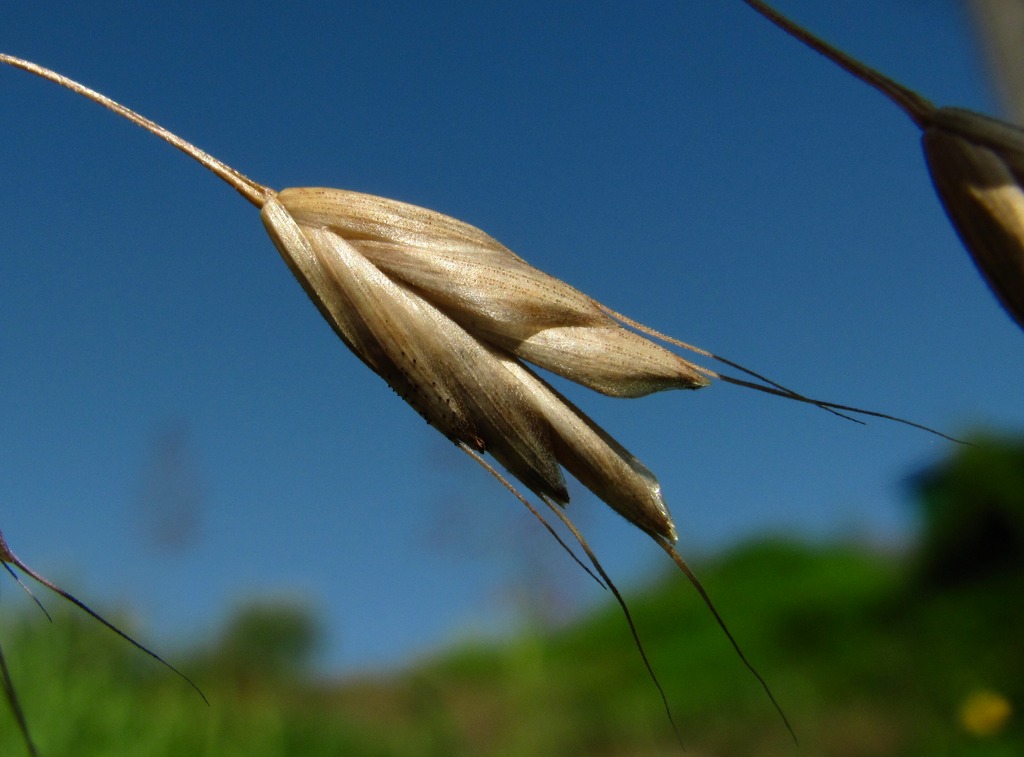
x: 382, y: 274
x: 448, y: 316
x: 976, y: 164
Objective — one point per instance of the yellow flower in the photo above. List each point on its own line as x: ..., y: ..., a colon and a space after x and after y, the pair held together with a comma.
x: 984, y: 712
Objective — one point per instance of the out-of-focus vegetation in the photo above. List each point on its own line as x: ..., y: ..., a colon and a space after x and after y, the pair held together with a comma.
x: 869, y: 653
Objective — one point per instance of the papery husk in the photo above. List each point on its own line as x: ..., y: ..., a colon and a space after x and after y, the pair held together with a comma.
x: 471, y: 391
x: 494, y: 294
x: 984, y: 200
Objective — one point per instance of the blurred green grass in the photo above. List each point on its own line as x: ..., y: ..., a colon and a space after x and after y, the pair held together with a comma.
x: 869, y: 653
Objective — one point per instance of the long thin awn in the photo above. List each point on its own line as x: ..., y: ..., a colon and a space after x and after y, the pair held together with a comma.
x: 8, y: 559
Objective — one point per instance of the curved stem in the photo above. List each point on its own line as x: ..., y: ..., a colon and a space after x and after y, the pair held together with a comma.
x: 15, y: 704
x: 918, y: 108
x: 252, y: 191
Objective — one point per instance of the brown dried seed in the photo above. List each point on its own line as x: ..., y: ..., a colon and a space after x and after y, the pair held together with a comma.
x: 494, y: 294
x: 984, y: 200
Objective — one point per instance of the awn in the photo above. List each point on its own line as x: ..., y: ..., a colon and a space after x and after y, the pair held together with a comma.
x: 7, y: 559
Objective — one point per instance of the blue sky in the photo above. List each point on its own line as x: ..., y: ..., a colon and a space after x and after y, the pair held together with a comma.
x: 683, y: 162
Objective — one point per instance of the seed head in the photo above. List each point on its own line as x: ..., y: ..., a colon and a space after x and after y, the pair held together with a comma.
x: 444, y: 314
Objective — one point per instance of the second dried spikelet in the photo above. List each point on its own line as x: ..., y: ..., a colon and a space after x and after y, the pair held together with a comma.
x: 976, y: 164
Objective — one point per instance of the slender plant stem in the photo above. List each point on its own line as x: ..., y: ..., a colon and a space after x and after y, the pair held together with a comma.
x: 252, y: 191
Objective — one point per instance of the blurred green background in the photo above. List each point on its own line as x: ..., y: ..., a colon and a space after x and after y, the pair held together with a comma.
x: 869, y: 653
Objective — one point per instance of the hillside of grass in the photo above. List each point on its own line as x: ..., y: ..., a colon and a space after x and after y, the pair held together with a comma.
x: 868, y: 653
x: 860, y: 664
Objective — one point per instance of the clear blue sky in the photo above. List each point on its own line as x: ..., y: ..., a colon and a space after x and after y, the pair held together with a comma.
x: 684, y: 162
